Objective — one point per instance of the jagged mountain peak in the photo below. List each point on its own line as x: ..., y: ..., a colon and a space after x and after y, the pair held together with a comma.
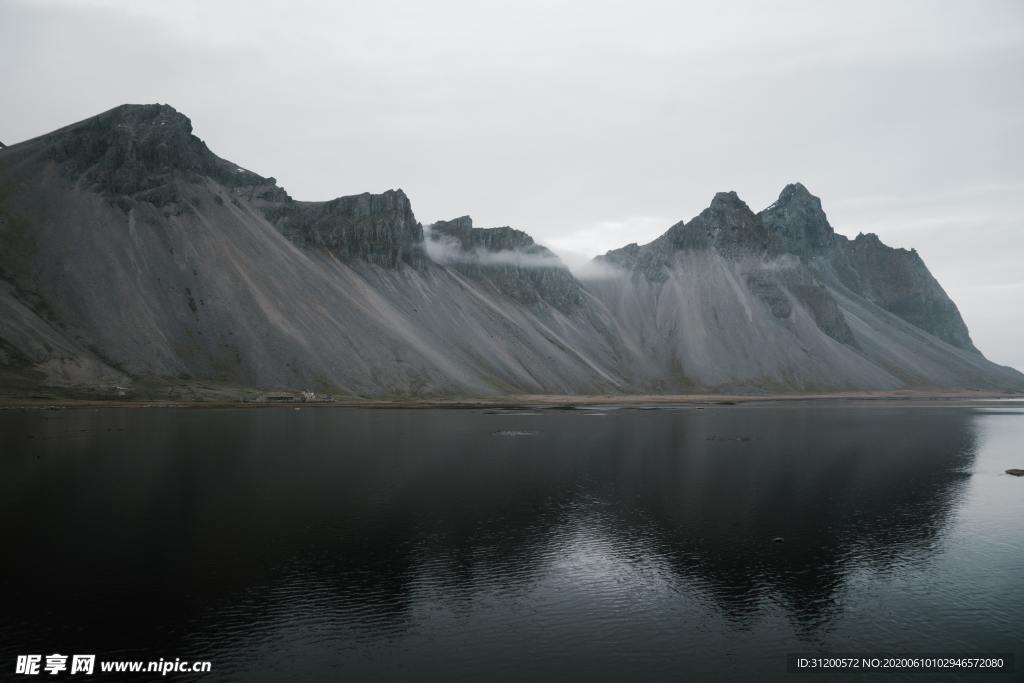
x: 159, y: 117
x: 138, y: 150
x: 148, y: 125
x: 896, y: 280
x: 727, y: 224
x: 872, y: 239
x: 727, y: 200
x: 797, y: 220
x: 146, y: 154
x: 794, y: 224
x: 137, y: 121
x: 797, y: 192
x: 726, y: 208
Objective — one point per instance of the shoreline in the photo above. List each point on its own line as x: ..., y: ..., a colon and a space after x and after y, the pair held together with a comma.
x: 514, y: 402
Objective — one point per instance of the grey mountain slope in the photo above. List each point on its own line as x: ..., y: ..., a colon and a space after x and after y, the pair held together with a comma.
x: 777, y: 299
x: 131, y: 252
x: 187, y: 278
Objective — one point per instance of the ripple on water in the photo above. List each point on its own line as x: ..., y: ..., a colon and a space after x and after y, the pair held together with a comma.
x: 379, y: 544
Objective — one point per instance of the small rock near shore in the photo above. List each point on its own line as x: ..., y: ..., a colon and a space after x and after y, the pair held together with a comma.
x: 1015, y: 472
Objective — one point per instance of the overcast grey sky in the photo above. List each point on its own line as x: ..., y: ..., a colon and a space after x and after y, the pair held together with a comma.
x: 588, y: 124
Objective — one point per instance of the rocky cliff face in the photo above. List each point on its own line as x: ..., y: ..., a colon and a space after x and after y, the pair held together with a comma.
x: 796, y: 227
x: 148, y: 154
x: 142, y: 152
x: 898, y: 281
x: 133, y: 256
x: 507, y: 258
x: 797, y: 224
x: 380, y: 229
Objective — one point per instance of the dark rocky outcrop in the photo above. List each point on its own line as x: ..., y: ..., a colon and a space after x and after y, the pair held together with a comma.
x: 378, y: 228
x: 823, y: 308
x: 770, y: 291
x: 898, y: 281
x: 796, y: 223
x: 727, y: 225
x: 488, y: 239
x: 141, y: 151
x: 508, y: 258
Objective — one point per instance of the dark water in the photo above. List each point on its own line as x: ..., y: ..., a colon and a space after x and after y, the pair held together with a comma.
x: 343, y: 544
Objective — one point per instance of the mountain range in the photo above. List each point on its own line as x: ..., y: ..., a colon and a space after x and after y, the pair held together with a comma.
x: 134, y: 258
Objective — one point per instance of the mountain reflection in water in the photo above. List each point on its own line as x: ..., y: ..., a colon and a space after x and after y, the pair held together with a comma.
x: 437, y: 543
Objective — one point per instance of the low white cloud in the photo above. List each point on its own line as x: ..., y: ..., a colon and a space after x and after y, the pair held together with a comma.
x: 600, y: 237
x: 446, y: 250
x: 597, y: 270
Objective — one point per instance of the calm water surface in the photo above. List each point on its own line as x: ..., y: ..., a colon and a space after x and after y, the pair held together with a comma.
x: 346, y: 544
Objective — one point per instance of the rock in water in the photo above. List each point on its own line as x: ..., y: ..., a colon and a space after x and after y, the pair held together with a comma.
x: 1015, y: 472
x: 135, y: 257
